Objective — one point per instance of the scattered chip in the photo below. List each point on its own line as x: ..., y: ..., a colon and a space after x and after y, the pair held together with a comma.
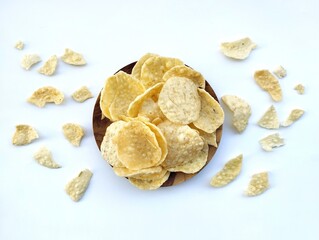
x: 300, y: 89
x: 49, y: 66
x: 149, y: 184
x: 271, y: 141
x: 19, y: 45
x: 241, y: 111
x: 82, y: 94
x: 77, y: 186
x: 258, y: 184
x: 269, y: 83
x: 24, y: 135
x: 73, y: 58
x: 239, y: 49
x: 280, y: 72
x: 136, y: 71
x: 29, y: 60
x: 44, y: 157
x: 293, y: 117
x: 179, y: 100
x: 73, y: 133
x: 211, y: 115
x: 270, y: 119
x: 46, y: 95
x: 229, y: 172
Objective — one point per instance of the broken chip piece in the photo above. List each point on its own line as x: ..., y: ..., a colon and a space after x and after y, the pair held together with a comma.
x: 44, y: 157
x: 82, y: 94
x: 258, y: 184
x: 271, y: 141
x: 280, y: 72
x: 229, y: 172
x: 73, y: 58
x: 46, y: 95
x: 73, y: 133
x: 270, y: 119
x: 77, y: 186
x: 300, y: 89
x: 49, y: 66
x: 269, y: 83
x: 24, y: 135
x: 29, y: 60
x: 239, y: 49
x: 294, y: 115
x: 19, y: 45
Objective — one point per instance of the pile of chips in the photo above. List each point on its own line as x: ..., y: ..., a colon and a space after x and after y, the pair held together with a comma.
x: 162, y: 121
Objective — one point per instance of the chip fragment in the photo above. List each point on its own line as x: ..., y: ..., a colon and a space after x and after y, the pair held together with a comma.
x: 73, y: 58
x: 229, y: 172
x: 149, y: 184
x: 258, y: 184
x: 271, y: 141
x: 46, y: 95
x: 44, y: 157
x: 300, y: 89
x: 49, y: 66
x: 294, y: 115
x: 270, y: 119
x: 280, y: 72
x: 241, y: 111
x: 73, y: 133
x: 269, y: 83
x: 136, y: 71
x: 19, y: 45
x: 78, y: 185
x: 29, y: 60
x: 24, y: 134
x: 82, y: 94
x: 239, y: 49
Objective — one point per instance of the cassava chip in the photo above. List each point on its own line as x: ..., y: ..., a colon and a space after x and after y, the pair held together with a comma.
x: 119, y: 91
x: 210, y: 138
x: 73, y: 58
x: 82, y: 94
x: 271, y: 141
x: 294, y: 115
x: 300, y: 89
x: 126, y: 172
x: 29, y: 60
x: 73, y: 133
x: 49, y: 66
x: 46, y: 95
x: 136, y: 71
x: 179, y: 100
x: 149, y: 184
x: 241, y: 111
x: 211, y: 115
x: 187, y: 72
x: 154, y: 68
x: 229, y: 172
x: 78, y: 185
x: 239, y: 49
x: 269, y: 83
x: 280, y: 72
x: 151, y: 176
x: 19, y: 45
x: 24, y: 134
x: 44, y: 157
x: 270, y: 119
x: 258, y: 184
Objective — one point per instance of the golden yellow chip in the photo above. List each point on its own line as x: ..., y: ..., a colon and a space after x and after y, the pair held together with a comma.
x: 187, y: 72
x: 157, y: 121
x: 180, y: 101
x: 271, y: 141
x: 229, y: 172
x: 136, y: 71
x: 73, y: 133
x: 294, y: 115
x: 44, y: 157
x: 19, y: 45
x: 269, y: 83
x: 23, y: 135
x: 49, y: 66
x: 82, y: 94
x: 137, y: 146
x: 154, y: 68
x: 29, y: 60
x: 73, y: 58
x: 77, y: 186
x: 239, y: 49
x: 210, y: 138
x: 119, y: 91
x: 300, y: 89
x: 46, y: 95
x: 151, y: 176
x: 211, y: 115
x: 258, y: 184
x: 270, y: 119
x: 241, y: 111
x: 126, y: 172
x: 149, y: 184
x: 280, y: 72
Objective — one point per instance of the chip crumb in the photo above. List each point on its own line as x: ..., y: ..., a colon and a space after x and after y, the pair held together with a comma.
x: 300, y: 89
x: 45, y: 95
x: 239, y: 49
x: 44, y: 157
x: 49, y: 66
x: 269, y: 83
x: 29, y: 60
x: 280, y: 72
x: 73, y: 133
x: 270, y: 119
x: 294, y: 115
x: 73, y: 58
x: 82, y: 94
x: 24, y: 135
x: 19, y: 45
x: 78, y: 185
x: 258, y: 184
x: 271, y: 141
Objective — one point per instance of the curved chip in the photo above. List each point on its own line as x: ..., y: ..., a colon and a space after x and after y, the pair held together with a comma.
x: 78, y: 185
x: 44, y: 157
x: 49, y: 66
x: 73, y: 133
x: 270, y: 119
x: 180, y: 101
x: 126, y: 172
x: 294, y: 115
x: 46, y: 95
x: 271, y: 141
x: 239, y: 49
x: 258, y: 184
x: 24, y: 134
x: 82, y: 94
x: 136, y: 71
x: 210, y: 138
x: 73, y: 58
x: 29, y: 60
x: 269, y: 83
x: 211, y: 115
x: 149, y: 184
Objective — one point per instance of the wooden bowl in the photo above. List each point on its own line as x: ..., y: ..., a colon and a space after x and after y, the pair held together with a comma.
x: 100, y: 125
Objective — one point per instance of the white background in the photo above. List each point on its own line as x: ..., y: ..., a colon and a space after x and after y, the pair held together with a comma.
x: 111, y: 34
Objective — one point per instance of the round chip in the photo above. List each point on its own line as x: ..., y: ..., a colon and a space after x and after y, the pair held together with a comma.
x: 126, y: 172
x: 136, y: 71
x: 179, y: 100
x: 46, y: 95
x: 149, y: 184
